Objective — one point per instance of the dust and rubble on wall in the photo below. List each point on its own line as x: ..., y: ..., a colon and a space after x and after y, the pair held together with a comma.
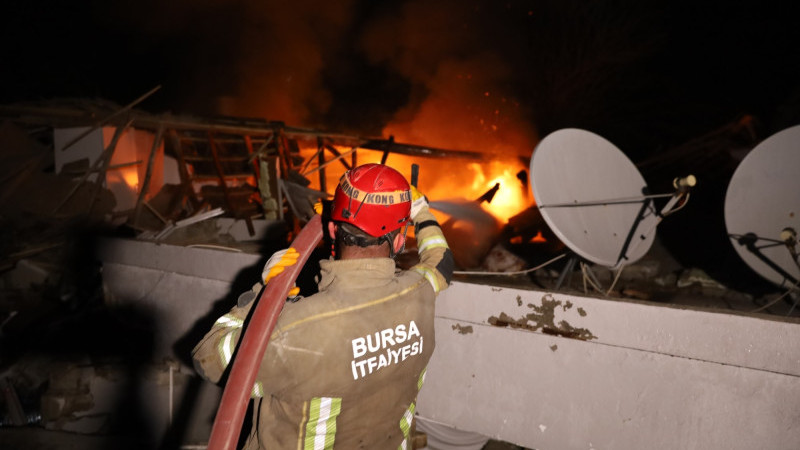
x: 543, y: 318
x: 463, y: 329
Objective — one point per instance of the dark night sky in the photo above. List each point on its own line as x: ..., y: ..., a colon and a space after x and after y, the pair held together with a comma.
x: 644, y: 74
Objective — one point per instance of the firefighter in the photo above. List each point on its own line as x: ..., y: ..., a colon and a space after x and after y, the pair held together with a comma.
x: 343, y: 366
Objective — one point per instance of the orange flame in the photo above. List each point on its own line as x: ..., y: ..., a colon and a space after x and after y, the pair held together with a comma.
x: 538, y: 239
x: 131, y: 177
x: 511, y: 198
x: 441, y: 179
x: 461, y: 113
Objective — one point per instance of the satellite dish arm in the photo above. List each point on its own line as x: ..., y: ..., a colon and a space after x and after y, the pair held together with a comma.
x: 682, y: 186
x: 629, y: 239
x: 749, y: 242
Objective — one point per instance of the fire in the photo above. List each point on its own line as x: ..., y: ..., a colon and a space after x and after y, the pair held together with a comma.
x: 131, y: 177
x: 471, y: 180
x: 463, y: 112
x: 512, y: 196
x: 538, y: 239
x: 449, y: 179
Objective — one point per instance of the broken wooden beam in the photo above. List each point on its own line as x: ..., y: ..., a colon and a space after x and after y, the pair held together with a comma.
x: 144, y: 186
x: 218, y: 166
x: 100, y: 163
x: 327, y: 163
x: 106, y: 119
x: 389, y: 145
x: 337, y: 153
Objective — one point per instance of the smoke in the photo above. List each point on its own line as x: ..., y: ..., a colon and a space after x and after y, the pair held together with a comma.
x: 428, y: 72
x: 456, y: 57
x: 249, y: 58
x: 282, y: 59
x: 476, y: 74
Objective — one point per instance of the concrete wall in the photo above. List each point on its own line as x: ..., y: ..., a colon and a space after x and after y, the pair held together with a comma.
x: 176, y: 285
x: 179, y: 288
x: 640, y: 376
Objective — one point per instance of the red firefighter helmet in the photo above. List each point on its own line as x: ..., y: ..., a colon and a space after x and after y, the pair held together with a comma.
x: 374, y: 198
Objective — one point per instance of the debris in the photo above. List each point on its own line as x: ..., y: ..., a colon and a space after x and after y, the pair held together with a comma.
x: 100, y: 165
x: 15, y: 411
x: 667, y: 280
x: 463, y: 329
x: 108, y: 118
x: 488, y: 196
x: 301, y: 199
x: 148, y: 174
x: 635, y: 293
x: 500, y: 259
x: 181, y: 223
x: 471, y: 231
x: 698, y: 277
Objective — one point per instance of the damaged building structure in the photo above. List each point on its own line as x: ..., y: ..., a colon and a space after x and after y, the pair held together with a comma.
x: 126, y: 234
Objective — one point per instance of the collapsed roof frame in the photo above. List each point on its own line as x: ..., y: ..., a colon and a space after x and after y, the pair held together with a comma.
x: 261, y: 138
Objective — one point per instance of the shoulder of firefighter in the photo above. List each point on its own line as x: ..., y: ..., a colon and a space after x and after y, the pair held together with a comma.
x: 215, y: 351
x: 436, y: 261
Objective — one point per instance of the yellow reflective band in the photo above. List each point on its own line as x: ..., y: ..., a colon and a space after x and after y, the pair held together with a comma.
x: 376, y: 198
x: 301, y: 426
x: 258, y: 390
x: 421, y: 378
x: 432, y: 242
x: 226, y: 347
x: 321, y: 426
x: 230, y: 321
x: 430, y: 276
x: 405, y: 425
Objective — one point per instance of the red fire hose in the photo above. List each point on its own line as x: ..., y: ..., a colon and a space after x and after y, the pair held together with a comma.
x: 232, y: 407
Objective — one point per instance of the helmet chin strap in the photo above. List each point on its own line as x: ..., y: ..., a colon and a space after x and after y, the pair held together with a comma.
x: 392, y: 253
x: 361, y: 241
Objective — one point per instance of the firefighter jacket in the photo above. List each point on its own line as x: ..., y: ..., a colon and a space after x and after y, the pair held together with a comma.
x: 343, y: 366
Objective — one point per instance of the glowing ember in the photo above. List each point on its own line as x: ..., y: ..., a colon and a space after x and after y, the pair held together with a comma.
x: 538, y: 239
x: 131, y: 177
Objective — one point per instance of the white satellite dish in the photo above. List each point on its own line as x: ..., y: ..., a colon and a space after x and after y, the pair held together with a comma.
x: 594, y: 199
x: 762, y: 207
